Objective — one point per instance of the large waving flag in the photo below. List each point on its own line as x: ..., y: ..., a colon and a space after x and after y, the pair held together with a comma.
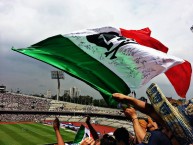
x: 104, y: 59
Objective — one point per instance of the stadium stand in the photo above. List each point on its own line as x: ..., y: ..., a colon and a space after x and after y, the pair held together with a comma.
x: 14, y: 102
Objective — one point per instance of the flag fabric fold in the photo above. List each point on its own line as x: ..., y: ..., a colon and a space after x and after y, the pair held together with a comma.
x: 143, y: 37
x: 175, y: 74
x: 105, y: 59
x: 180, y: 77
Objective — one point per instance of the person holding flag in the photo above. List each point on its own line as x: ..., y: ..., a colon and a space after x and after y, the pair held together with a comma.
x: 176, y: 121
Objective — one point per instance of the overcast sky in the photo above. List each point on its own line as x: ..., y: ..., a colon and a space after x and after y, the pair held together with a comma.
x: 25, y: 22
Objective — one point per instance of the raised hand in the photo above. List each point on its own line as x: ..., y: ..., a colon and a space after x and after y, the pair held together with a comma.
x: 88, y: 141
x: 120, y: 97
x: 87, y: 119
x: 130, y: 113
x: 56, y: 124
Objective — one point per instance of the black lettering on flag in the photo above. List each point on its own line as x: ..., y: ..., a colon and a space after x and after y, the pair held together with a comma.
x: 111, y: 41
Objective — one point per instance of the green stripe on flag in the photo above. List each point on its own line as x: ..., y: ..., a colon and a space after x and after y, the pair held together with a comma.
x: 80, y: 134
x: 63, y: 54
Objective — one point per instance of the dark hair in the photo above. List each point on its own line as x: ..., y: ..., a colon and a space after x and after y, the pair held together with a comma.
x: 107, y: 140
x: 122, y: 134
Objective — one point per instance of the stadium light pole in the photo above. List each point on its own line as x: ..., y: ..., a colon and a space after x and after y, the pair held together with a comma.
x: 57, y: 75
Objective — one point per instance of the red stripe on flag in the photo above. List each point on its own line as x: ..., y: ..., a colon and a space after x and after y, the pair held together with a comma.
x: 143, y: 37
x: 180, y: 77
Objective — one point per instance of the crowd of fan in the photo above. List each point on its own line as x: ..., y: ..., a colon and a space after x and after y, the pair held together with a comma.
x: 22, y: 117
x: 9, y: 101
x: 147, y: 132
x: 15, y: 102
x: 152, y: 131
x: 72, y: 107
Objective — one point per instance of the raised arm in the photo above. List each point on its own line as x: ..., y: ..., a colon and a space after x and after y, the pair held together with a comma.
x: 56, y: 126
x: 139, y: 131
x: 92, y: 130
x: 142, y: 106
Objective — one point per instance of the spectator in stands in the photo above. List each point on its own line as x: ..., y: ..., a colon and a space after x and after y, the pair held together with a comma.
x: 149, y: 137
x: 107, y: 140
x: 123, y: 137
x: 56, y: 126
